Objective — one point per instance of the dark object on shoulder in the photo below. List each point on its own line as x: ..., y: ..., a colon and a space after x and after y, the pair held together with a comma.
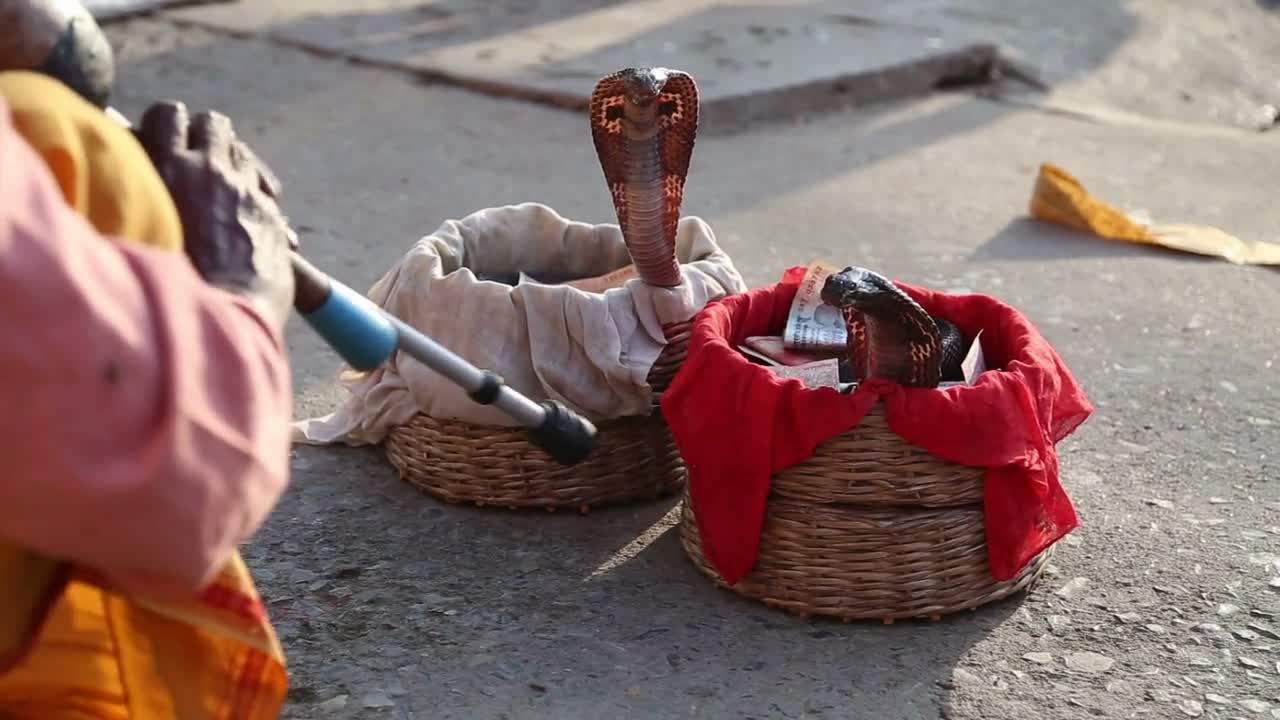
x: 58, y: 38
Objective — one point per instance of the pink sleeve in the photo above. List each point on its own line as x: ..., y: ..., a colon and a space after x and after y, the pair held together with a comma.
x: 145, y: 427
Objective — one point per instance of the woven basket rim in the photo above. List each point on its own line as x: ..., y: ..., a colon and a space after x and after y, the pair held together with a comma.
x: 624, y: 444
x: 777, y: 586
x: 456, y: 461
x: 998, y: 308
x: 605, y: 235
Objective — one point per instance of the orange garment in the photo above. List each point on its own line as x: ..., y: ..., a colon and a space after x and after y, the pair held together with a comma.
x: 1058, y: 197
x: 72, y: 646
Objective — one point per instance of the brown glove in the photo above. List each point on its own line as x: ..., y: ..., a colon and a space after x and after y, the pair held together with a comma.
x: 235, y: 233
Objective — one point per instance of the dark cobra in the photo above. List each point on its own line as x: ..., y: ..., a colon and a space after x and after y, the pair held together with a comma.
x: 643, y: 123
x: 890, y: 336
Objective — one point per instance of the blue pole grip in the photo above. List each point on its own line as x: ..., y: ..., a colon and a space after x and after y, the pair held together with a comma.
x: 354, y: 327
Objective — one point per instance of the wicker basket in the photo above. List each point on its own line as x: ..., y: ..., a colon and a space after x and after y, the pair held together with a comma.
x: 634, y: 458
x: 871, y: 527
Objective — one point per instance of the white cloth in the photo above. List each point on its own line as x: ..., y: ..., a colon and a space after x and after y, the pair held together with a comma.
x: 591, y: 351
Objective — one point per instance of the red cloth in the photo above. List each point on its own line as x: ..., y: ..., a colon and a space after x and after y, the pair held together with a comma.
x: 736, y: 423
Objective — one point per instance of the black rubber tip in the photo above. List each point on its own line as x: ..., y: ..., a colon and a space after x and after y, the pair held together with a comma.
x: 566, y: 436
x: 489, y: 388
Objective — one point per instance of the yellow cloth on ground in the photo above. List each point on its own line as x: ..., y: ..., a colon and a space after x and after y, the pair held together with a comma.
x: 1060, y: 198
x: 96, y: 653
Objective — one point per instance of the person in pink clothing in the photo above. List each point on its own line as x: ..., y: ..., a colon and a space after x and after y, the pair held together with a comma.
x: 145, y: 282
x: 147, y: 393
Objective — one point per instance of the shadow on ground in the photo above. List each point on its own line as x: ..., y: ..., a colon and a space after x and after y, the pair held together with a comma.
x: 462, y: 612
x: 296, y: 110
x: 515, y: 48
x: 1028, y: 239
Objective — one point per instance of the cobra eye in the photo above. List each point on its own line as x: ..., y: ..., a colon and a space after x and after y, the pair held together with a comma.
x: 613, y: 112
x: 668, y: 107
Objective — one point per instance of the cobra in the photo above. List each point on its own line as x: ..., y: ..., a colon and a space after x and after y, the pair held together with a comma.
x: 643, y: 123
x: 890, y: 335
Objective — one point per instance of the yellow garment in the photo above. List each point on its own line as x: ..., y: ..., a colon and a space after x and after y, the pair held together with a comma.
x: 99, y: 654
x: 1060, y: 198
x: 103, y: 172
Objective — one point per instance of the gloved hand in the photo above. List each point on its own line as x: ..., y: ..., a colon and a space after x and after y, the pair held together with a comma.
x: 234, y: 231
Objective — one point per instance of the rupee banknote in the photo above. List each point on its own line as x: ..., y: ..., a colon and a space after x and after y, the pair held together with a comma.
x: 597, y: 284
x: 812, y: 324
x: 775, y: 349
x: 608, y: 281
x: 821, y: 373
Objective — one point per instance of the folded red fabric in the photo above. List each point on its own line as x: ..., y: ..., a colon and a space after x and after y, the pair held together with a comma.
x: 736, y: 423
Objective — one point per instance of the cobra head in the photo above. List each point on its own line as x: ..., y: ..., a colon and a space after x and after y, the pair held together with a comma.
x: 852, y: 286
x: 643, y: 85
x: 866, y: 290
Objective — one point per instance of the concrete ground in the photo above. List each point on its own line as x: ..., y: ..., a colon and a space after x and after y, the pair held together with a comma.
x: 1164, y: 604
